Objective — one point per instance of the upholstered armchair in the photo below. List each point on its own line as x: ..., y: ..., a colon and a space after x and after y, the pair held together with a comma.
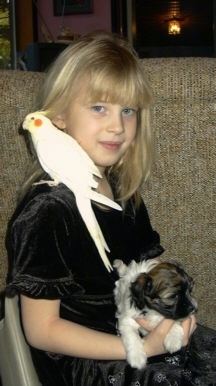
x: 180, y: 195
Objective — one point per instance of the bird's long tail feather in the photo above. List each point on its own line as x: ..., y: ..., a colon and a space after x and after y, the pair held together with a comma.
x: 88, y: 216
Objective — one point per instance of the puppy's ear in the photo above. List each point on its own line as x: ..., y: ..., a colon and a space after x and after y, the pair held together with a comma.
x: 139, y: 288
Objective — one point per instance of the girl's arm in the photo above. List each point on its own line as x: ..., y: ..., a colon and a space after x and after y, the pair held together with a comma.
x: 45, y: 330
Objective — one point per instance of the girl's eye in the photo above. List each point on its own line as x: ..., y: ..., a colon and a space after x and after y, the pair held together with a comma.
x: 128, y: 111
x: 98, y: 109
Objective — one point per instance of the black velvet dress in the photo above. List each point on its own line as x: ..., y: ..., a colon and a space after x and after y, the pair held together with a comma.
x: 52, y: 256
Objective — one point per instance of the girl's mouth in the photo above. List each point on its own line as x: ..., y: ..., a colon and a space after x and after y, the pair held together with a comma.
x: 110, y: 145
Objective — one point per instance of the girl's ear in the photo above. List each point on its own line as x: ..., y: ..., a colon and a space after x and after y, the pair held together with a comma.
x: 59, y: 121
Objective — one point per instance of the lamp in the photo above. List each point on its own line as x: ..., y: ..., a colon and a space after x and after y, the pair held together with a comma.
x: 174, y: 26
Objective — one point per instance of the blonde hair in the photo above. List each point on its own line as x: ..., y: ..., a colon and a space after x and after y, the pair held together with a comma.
x: 114, y: 72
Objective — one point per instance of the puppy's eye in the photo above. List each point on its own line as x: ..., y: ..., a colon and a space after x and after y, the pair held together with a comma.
x: 174, y: 296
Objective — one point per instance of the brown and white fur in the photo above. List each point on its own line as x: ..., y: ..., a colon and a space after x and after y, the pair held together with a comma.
x: 153, y: 290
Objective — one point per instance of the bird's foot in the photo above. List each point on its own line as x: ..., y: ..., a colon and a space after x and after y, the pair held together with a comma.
x: 48, y: 182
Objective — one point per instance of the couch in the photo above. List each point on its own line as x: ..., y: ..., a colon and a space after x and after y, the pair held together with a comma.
x: 181, y: 193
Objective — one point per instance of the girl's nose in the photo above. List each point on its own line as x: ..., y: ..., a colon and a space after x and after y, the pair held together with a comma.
x: 116, y: 124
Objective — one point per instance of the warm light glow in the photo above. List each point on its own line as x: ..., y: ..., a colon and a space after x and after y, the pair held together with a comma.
x: 174, y: 27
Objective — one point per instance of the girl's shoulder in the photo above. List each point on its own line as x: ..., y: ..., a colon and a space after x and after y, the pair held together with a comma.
x: 45, y: 199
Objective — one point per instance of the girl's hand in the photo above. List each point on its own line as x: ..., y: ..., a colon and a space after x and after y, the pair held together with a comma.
x: 153, y: 342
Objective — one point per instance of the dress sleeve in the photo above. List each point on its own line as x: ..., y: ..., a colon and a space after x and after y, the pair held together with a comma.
x: 38, y: 244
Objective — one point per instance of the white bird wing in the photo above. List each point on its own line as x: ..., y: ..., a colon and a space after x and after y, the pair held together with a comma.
x: 65, y: 161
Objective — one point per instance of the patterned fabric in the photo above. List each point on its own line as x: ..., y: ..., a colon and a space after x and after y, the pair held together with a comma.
x: 181, y: 195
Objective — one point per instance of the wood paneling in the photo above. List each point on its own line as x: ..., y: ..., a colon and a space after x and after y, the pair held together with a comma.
x: 25, y: 23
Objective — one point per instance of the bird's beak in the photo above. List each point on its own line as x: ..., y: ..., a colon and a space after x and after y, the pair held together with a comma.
x: 25, y: 125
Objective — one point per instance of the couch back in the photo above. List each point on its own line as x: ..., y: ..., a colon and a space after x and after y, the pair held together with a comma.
x: 181, y: 192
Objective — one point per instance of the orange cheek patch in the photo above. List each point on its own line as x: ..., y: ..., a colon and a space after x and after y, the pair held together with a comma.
x: 38, y: 122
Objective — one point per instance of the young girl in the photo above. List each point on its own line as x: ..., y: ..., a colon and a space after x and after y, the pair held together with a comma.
x: 95, y: 92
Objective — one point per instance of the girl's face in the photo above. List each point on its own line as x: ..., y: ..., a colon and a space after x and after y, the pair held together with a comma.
x: 104, y: 130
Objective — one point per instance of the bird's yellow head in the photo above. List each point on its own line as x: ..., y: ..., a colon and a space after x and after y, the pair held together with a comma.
x: 34, y: 120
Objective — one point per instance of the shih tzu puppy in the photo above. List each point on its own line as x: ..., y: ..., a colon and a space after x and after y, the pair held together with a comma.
x: 153, y: 290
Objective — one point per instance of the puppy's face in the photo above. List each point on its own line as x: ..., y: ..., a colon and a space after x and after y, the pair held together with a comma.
x: 166, y: 289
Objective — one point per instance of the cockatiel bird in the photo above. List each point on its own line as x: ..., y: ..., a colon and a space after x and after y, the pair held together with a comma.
x: 65, y: 161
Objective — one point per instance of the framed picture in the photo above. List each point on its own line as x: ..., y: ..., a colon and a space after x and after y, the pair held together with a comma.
x: 70, y: 7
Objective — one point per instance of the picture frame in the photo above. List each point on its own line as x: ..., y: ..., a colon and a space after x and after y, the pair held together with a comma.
x: 72, y: 7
